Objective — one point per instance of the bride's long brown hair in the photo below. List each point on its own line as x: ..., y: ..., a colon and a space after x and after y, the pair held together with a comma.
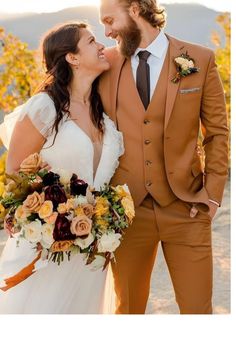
x: 56, y: 44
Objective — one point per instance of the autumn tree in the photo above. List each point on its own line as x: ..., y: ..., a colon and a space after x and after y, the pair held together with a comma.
x: 20, y: 71
x: 223, y: 57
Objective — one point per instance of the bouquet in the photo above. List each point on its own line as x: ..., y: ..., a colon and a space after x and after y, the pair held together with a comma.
x: 60, y: 215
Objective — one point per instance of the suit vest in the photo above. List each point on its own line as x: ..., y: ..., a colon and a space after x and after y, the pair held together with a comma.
x: 142, y: 166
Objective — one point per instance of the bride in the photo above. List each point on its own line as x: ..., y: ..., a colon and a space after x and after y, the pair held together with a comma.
x: 64, y: 121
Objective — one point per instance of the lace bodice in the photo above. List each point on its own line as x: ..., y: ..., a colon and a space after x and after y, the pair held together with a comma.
x: 72, y: 150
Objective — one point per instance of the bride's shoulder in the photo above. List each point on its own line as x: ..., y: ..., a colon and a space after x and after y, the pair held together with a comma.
x: 109, y: 123
x: 40, y: 101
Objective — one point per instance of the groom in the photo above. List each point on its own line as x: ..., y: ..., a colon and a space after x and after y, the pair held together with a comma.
x: 160, y: 91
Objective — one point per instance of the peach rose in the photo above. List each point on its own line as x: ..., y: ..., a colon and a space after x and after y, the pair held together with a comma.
x: 61, y: 246
x: 31, y: 164
x: 46, y: 209
x: 52, y: 218
x: 33, y: 202
x: 21, y: 213
x: 81, y: 226
x: 88, y: 210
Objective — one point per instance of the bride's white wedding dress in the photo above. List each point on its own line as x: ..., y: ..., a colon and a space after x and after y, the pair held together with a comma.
x: 72, y: 287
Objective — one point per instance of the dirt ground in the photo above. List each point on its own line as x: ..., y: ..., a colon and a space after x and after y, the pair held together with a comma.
x: 161, y: 299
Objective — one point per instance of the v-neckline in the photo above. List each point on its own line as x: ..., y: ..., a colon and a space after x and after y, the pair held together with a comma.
x: 92, y: 144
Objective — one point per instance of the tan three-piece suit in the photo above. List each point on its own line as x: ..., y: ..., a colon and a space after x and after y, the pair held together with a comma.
x: 163, y: 170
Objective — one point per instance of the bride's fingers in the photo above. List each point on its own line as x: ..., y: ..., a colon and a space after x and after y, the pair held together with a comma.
x: 45, y: 166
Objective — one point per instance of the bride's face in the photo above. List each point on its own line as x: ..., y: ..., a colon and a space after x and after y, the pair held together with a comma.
x: 91, y: 54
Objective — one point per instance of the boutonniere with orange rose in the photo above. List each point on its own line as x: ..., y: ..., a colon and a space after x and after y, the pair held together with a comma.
x: 185, y: 66
x: 60, y: 216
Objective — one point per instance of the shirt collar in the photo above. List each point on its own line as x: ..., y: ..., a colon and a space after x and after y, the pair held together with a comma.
x: 157, y: 47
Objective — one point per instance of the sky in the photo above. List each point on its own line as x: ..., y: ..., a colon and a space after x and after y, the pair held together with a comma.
x: 21, y: 6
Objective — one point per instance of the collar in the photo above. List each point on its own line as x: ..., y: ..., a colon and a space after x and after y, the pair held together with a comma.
x: 157, y: 47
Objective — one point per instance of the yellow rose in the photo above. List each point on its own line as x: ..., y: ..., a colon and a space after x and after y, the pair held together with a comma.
x: 2, y: 211
x: 62, y: 209
x: 31, y: 164
x: 46, y: 209
x: 70, y: 204
x: 3, y: 178
x: 2, y: 189
x: 128, y: 205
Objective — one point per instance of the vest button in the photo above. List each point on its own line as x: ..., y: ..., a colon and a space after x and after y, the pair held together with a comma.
x: 148, y: 162
x: 146, y: 121
x: 148, y: 183
x: 147, y: 142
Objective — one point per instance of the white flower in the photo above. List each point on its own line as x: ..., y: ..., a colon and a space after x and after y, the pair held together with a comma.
x: 84, y: 242
x: 47, y: 235
x: 191, y: 64
x: 184, y: 63
x: 65, y: 176
x: 109, y: 242
x: 33, y: 231
x: 98, y: 263
x: 80, y: 200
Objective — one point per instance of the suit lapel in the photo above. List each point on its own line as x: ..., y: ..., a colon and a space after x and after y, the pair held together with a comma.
x: 175, y: 49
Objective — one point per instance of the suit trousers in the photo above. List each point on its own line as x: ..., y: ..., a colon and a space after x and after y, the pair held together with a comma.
x: 186, y: 244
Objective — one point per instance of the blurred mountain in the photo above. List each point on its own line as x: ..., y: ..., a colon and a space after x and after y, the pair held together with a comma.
x: 190, y: 22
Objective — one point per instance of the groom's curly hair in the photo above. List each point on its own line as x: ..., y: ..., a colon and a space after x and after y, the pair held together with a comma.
x: 149, y: 10
x: 55, y: 45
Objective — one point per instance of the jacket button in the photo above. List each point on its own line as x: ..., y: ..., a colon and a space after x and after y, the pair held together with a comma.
x: 146, y: 121
x: 147, y: 142
x: 148, y: 183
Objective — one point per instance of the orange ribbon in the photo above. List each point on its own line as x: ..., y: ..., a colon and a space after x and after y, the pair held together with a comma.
x: 21, y: 275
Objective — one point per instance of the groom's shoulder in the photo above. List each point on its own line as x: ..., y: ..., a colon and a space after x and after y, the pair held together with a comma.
x: 191, y: 47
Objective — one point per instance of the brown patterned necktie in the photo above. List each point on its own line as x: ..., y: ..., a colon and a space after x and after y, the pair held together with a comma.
x: 143, y: 78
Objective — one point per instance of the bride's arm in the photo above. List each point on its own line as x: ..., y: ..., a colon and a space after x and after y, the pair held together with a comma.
x: 25, y: 140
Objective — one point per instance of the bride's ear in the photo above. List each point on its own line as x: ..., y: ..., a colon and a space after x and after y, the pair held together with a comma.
x: 72, y: 59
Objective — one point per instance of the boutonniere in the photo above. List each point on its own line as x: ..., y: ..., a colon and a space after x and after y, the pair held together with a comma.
x: 185, y: 66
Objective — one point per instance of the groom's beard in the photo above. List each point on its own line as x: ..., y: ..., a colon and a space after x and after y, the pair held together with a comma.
x: 130, y: 38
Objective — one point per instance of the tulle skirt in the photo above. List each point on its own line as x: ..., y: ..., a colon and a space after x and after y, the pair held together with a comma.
x: 68, y: 288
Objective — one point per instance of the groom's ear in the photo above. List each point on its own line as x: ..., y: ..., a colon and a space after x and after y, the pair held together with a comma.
x: 134, y: 10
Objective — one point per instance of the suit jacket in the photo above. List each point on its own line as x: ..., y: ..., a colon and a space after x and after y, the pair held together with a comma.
x: 196, y: 102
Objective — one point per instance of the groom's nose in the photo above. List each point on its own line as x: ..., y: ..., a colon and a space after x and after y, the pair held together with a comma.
x: 108, y: 31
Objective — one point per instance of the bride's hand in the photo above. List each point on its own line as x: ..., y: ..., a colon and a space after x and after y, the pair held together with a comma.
x: 45, y: 166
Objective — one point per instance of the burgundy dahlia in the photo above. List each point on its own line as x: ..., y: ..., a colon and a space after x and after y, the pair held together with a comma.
x: 51, y: 178
x: 56, y: 194
x: 61, y: 230
x: 77, y: 186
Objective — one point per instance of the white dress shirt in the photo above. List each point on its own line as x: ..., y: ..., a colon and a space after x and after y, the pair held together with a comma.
x: 158, y: 49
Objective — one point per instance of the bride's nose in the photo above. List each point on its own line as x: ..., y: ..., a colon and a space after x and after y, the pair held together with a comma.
x: 101, y: 46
